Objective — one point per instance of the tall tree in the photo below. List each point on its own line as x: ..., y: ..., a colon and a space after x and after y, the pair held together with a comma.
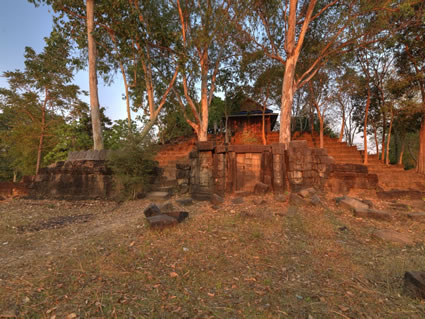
x: 43, y: 90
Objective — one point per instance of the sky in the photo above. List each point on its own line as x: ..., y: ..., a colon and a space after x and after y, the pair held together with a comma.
x: 22, y: 25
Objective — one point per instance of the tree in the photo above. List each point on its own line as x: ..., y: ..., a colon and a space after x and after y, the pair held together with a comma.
x: 43, y: 89
x: 280, y: 28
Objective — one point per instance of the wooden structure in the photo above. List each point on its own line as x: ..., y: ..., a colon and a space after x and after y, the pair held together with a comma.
x: 246, y: 125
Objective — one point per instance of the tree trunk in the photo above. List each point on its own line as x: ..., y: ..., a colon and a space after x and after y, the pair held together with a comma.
x: 94, y: 99
x: 376, y: 142
x: 341, y: 132
x: 387, y: 157
x: 203, y: 127
x: 127, y: 98
x: 400, y: 158
x: 264, y: 126
x: 384, y: 126
x: 287, y: 99
x: 40, y: 144
x: 321, y: 132
x: 365, y: 127
x: 421, y: 154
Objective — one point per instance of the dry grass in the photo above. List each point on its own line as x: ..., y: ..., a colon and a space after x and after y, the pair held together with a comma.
x: 241, y: 261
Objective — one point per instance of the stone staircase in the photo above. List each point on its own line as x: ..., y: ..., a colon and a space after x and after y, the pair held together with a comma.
x: 389, y: 176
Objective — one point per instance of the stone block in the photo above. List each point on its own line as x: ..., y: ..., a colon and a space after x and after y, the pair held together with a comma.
x: 417, y: 216
x: 414, y: 284
x: 158, y: 195
x: 372, y: 213
x: 261, y: 188
x: 352, y: 203
x: 152, y: 210
x: 161, y: 221
x: 184, y: 201
x: 393, y: 237
x: 183, y: 166
x: 296, y: 200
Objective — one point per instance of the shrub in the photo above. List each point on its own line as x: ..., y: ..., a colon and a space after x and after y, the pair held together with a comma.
x: 133, y: 166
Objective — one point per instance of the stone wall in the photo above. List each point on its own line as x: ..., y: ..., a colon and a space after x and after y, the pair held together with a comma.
x: 76, y: 179
x: 226, y: 169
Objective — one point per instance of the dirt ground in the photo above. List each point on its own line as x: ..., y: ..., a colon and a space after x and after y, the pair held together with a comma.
x: 99, y: 259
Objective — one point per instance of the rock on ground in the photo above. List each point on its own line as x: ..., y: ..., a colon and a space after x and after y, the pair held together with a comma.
x: 414, y: 283
x: 393, y: 237
x: 352, y: 203
x: 372, y: 213
x: 152, y: 210
x: 161, y: 221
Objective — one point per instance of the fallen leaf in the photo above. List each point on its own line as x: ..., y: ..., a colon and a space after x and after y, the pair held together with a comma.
x: 173, y: 274
x: 71, y: 316
x: 211, y: 294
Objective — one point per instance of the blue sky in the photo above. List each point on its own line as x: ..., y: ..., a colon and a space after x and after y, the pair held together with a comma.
x: 21, y: 25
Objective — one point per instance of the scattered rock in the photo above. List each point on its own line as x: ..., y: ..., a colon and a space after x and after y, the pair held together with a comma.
x: 216, y: 199
x: 161, y: 221
x: 392, y: 236
x: 237, y: 201
x: 368, y: 202
x: 307, y: 192
x: 399, y: 206
x: 352, y: 203
x: 315, y: 200
x: 166, y: 207
x: 180, y: 216
x: 295, y: 199
x: 372, y: 213
x: 185, y: 201
x: 338, y: 199
x: 261, y: 188
x: 419, y: 216
x: 280, y: 198
x: 158, y: 195
x: 343, y: 228
x: 152, y: 210
x: 259, y: 201
x: 414, y: 284
x: 201, y: 196
x: 215, y: 207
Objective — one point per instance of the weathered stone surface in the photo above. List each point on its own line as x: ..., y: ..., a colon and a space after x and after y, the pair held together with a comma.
x: 352, y: 203
x: 315, y: 200
x: 216, y: 199
x: 90, y: 155
x: 185, y: 167
x: 158, y: 195
x: 295, y: 199
x: 152, y: 210
x: 180, y: 216
x: 419, y: 216
x: 307, y: 192
x: 185, y: 201
x: 372, y: 213
x: 166, y: 207
x: 393, y: 237
x: 280, y: 198
x: 400, y: 194
x: 261, y: 188
x: 161, y: 220
x: 368, y: 202
x: 414, y: 284
x: 201, y: 196
x: 237, y: 201
x: 399, y: 206
x: 259, y: 201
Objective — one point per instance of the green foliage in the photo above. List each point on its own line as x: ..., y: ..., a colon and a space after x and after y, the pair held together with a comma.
x: 133, y: 165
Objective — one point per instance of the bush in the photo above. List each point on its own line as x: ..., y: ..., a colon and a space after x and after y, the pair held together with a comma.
x: 133, y: 166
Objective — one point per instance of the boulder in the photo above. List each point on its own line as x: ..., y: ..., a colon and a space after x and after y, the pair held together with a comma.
x: 372, y: 213
x: 237, y: 200
x: 161, y: 221
x: 152, y: 210
x: 281, y: 198
x: 419, y: 216
x: 414, y: 284
x: 393, y: 237
x: 295, y: 199
x: 315, y: 200
x: 261, y: 188
x: 180, y: 216
x: 166, y: 207
x: 185, y: 201
x: 353, y: 204
x: 307, y: 192
x: 216, y: 199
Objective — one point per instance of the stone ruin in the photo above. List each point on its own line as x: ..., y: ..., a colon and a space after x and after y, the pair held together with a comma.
x: 84, y: 175
x: 226, y: 169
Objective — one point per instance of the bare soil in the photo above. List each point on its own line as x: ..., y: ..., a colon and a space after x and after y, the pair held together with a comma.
x: 99, y: 259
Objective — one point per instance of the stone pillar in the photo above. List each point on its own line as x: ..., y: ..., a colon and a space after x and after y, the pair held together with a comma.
x: 219, y: 171
x: 279, y: 168
x: 201, y: 176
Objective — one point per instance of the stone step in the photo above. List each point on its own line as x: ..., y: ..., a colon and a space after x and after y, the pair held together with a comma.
x: 156, y: 195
